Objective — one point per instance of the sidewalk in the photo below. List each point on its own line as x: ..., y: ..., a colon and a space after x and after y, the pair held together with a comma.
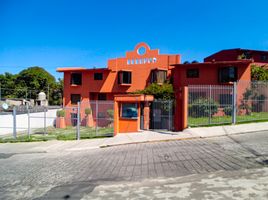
x: 190, y: 133
x: 130, y: 138
x: 214, y: 131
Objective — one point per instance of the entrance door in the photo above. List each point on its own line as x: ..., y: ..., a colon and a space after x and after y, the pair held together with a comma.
x: 142, y: 116
x: 161, y: 115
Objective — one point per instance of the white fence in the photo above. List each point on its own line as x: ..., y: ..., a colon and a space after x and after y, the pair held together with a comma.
x: 22, y: 121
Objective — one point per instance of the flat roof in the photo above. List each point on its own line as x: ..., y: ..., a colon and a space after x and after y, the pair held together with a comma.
x: 215, y: 63
x: 70, y: 69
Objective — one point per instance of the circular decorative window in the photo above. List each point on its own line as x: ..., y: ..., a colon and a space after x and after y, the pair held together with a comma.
x: 141, y: 51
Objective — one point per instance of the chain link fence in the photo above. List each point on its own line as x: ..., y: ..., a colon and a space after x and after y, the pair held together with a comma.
x: 252, y: 101
x: 84, y: 120
x: 243, y: 101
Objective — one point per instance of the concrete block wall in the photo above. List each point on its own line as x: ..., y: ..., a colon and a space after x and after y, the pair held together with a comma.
x: 6, y: 121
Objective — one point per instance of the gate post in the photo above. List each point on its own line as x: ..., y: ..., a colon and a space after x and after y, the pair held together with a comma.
x: 234, y: 103
x: 146, y: 115
x: 181, y: 109
x: 45, y: 121
x: 116, y: 117
x: 97, y: 117
x: 29, y: 121
x: 14, y: 122
x: 78, y: 122
x: 185, y: 108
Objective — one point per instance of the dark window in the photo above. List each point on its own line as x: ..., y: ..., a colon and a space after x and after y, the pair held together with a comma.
x: 193, y: 96
x: 129, y: 110
x: 92, y: 95
x: 101, y: 115
x: 76, y: 79
x: 74, y: 119
x: 227, y: 74
x: 247, y: 55
x: 102, y: 96
x: 192, y: 73
x: 75, y: 98
x: 264, y: 57
x: 124, y: 77
x: 226, y: 99
x: 97, y: 76
x: 158, y: 76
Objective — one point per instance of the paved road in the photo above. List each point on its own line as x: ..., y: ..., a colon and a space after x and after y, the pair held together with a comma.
x: 236, y: 184
x: 75, y: 174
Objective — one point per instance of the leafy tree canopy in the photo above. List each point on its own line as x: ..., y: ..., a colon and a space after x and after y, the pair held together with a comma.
x: 164, y: 91
x: 259, y: 73
x: 35, y: 77
x: 29, y: 82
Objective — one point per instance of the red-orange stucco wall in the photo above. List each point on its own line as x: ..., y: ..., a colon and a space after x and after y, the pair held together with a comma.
x: 208, y: 75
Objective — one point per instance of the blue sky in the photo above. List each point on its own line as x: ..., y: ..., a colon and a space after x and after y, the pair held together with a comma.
x: 57, y: 33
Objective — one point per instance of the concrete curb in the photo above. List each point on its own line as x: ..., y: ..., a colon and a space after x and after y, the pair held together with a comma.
x: 148, y: 141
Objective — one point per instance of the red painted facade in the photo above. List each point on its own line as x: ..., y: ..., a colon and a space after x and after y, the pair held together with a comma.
x: 208, y: 74
x: 238, y: 54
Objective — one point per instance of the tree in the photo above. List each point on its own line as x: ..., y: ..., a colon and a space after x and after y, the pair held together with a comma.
x: 29, y: 82
x: 7, y: 85
x: 55, y: 93
x: 163, y: 92
x: 259, y: 73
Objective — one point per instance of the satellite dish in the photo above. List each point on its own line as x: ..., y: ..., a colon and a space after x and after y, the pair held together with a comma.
x: 5, y: 106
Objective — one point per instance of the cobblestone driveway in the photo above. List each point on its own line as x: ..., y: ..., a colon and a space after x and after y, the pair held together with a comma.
x: 25, y: 175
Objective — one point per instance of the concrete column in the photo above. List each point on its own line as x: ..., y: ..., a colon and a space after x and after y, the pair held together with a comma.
x: 146, y: 115
x: 116, y: 117
x: 181, y: 109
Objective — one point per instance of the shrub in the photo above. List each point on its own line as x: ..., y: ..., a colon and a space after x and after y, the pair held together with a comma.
x: 164, y: 91
x: 88, y: 111
x: 228, y: 110
x: 110, y: 113
x: 203, y: 107
x: 60, y: 113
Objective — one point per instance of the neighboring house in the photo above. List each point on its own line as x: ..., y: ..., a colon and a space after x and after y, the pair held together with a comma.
x: 239, y: 54
x: 221, y: 68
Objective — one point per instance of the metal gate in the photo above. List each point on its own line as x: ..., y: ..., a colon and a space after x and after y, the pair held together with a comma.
x: 211, y: 104
x: 162, y: 115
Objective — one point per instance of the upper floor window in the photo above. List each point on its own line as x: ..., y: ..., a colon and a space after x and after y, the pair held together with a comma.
x: 226, y: 99
x: 227, y: 74
x: 248, y: 55
x: 75, y: 98
x: 264, y: 57
x: 98, y: 76
x: 124, y: 77
x: 102, y: 96
x: 76, y: 79
x: 192, y: 73
x: 158, y: 76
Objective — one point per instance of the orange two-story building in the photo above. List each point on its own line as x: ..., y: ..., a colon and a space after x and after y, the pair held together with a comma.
x: 135, y: 71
